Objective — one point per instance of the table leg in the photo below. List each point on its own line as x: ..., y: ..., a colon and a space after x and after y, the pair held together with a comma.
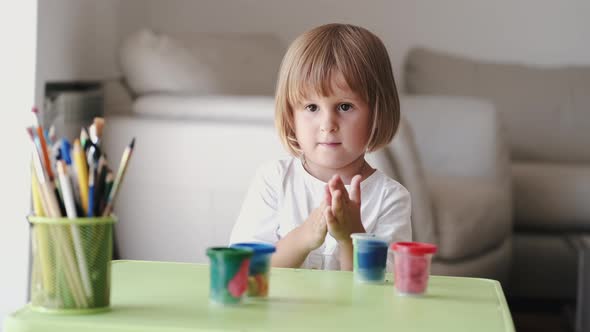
x: 582, y: 317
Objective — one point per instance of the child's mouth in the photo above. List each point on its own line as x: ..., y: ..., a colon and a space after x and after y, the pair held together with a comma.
x: 330, y: 144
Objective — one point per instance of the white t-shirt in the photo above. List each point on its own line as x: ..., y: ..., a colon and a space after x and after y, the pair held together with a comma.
x: 283, y: 194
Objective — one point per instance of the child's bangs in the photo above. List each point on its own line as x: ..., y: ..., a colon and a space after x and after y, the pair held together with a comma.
x: 315, y: 75
x: 309, y: 80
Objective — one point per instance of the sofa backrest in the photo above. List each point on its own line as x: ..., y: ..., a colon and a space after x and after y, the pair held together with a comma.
x: 193, y: 162
x: 546, y: 111
x: 201, y: 63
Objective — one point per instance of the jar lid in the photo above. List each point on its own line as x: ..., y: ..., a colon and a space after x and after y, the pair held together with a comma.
x: 257, y: 247
x: 369, y: 236
x: 414, y: 248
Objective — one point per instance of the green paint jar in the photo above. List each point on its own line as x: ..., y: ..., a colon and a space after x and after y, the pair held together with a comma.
x: 228, y: 268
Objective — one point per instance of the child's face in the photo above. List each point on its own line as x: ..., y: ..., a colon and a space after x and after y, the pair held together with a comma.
x: 332, y: 131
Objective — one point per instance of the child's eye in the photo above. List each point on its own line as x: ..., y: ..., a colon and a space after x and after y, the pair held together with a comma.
x: 311, y: 108
x: 345, y: 107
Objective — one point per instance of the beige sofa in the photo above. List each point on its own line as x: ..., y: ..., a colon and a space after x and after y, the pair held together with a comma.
x: 197, y: 151
x: 190, y: 171
x: 546, y: 116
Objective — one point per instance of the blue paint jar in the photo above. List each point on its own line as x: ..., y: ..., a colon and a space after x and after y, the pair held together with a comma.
x: 369, y: 257
x: 259, y: 273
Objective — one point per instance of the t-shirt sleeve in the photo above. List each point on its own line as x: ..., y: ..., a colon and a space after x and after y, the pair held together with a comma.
x: 257, y: 221
x: 395, y: 219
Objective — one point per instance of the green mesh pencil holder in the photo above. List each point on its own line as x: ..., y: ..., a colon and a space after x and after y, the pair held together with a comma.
x: 71, y: 264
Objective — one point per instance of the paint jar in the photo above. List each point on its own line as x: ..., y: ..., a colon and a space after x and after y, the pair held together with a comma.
x: 71, y: 264
x: 369, y: 257
x: 228, y: 270
x: 259, y: 272
x: 412, y: 266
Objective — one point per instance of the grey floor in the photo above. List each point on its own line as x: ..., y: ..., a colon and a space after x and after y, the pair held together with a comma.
x: 542, y: 316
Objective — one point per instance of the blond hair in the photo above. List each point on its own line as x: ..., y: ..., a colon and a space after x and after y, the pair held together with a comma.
x: 318, y: 54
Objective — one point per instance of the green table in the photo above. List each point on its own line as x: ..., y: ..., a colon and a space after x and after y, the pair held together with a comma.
x: 156, y: 296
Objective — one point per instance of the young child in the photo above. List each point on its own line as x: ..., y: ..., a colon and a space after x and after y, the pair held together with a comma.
x: 335, y: 100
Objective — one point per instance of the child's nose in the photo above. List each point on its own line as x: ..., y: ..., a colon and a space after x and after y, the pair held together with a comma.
x: 329, y: 123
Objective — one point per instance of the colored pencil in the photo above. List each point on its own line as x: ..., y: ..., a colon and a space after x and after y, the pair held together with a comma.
x: 71, y: 212
x: 66, y: 153
x: 99, y: 185
x: 43, y: 149
x: 119, y: 179
x: 91, y: 185
x: 82, y: 171
x: 66, y: 190
x: 108, y: 186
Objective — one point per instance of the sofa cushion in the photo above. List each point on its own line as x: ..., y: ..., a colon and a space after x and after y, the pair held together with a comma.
x: 545, y: 110
x: 201, y: 63
x: 405, y: 159
x: 551, y: 196
x: 473, y: 215
x: 400, y: 161
x: 153, y: 62
x: 458, y: 136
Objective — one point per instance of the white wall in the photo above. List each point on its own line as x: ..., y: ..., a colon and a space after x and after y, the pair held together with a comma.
x: 528, y: 31
x: 77, y: 40
x: 17, y: 88
x: 68, y: 39
x: 544, y: 32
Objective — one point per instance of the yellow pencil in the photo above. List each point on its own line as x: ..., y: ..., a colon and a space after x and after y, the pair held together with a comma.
x: 82, y: 174
x: 42, y: 236
x: 37, y: 205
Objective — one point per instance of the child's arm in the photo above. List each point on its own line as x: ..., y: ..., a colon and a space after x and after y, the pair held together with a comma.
x: 346, y: 256
x: 293, y: 249
x: 344, y: 216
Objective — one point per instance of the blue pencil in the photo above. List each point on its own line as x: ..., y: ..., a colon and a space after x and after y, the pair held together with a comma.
x: 66, y: 147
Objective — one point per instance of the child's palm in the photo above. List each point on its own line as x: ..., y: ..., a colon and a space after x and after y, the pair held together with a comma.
x: 344, y: 216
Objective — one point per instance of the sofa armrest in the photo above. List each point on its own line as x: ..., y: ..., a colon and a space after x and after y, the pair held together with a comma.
x: 458, y: 136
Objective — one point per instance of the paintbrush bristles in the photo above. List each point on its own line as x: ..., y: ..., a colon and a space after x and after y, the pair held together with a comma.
x: 98, y: 126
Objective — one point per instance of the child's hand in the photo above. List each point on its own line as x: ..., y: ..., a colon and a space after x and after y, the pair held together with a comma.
x: 344, y: 214
x: 315, y: 228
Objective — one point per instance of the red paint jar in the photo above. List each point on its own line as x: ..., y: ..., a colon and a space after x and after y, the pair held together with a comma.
x: 412, y: 266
